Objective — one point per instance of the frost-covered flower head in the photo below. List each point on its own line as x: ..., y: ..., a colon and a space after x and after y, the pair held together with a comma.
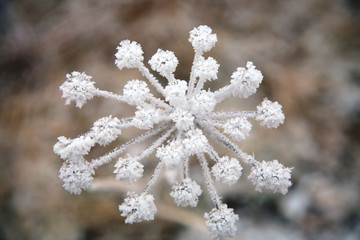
x: 183, y: 121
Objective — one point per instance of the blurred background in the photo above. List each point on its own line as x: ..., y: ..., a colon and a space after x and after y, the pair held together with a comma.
x: 308, y: 52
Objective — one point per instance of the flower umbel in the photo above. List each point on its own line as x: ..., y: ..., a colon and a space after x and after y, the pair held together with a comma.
x: 183, y: 122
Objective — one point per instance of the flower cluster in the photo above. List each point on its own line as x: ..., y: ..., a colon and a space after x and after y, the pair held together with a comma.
x: 183, y: 121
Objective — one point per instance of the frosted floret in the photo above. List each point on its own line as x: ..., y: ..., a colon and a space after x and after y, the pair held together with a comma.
x: 138, y: 208
x: 245, y: 81
x: 72, y: 149
x: 145, y: 118
x: 221, y: 222
x: 78, y: 88
x: 238, y: 128
x: 227, y: 170
x: 171, y: 154
x: 76, y: 176
x: 136, y: 92
x: 270, y: 114
x: 186, y: 193
x: 203, y: 102
x: 195, y: 142
x: 128, y: 55
x: 183, y: 119
x: 176, y: 93
x: 128, y: 169
x: 164, y: 62
x: 106, y: 130
x: 272, y: 176
x: 206, y: 69
x: 202, y: 39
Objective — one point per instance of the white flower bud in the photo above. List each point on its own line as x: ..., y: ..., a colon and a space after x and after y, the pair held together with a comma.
x: 271, y: 175
x: 203, y: 102
x: 164, y: 62
x: 238, y: 128
x: 245, y: 81
x: 186, y: 193
x: 106, y: 130
x: 138, y: 208
x: 172, y: 154
x: 78, y: 88
x: 195, y: 142
x: 76, y: 176
x: 221, y: 222
x: 270, y: 114
x: 206, y: 69
x: 136, y: 91
x: 128, y: 169
x: 129, y: 54
x: 227, y: 170
x: 202, y: 39
x: 73, y: 149
x: 145, y: 118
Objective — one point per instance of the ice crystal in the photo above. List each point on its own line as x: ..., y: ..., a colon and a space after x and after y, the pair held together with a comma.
x: 184, y: 119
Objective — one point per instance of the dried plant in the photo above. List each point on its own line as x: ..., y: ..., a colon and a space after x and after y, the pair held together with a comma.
x: 183, y: 120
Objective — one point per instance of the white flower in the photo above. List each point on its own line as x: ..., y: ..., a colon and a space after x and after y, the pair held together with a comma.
x: 136, y: 91
x: 271, y: 175
x: 78, y: 88
x: 245, y: 82
x: 171, y: 154
x: 128, y: 169
x: 145, y: 118
x: 138, y: 208
x: 73, y: 149
x: 221, y: 222
x: 238, y: 128
x: 106, y: 130
x: 206, y: 69
x: 76, y: 176
x: 129, y: 54
x: 195, y: 142
x: 203, y: 102
x: 183, y: 121
x: 164, y: 62
x: 186, y: 193
x: 176, y: 93
x: 270, y: 114
x: 202, y: 39
x: 227, y: 170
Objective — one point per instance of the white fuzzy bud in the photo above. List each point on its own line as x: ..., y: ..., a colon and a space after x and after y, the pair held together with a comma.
x: 136, y: 92
x: 203, y: 102
x: 176, y: 93
x: 271, y: 175
x: 195, y: 142
x: 171, y: 154
x: 106, y: 130
x: 164, y: 62
x: 227, y: 170
x: 145, y: 118
x: 138, y: 208
x: 270, y: 114
x: 206, y: 69
x: 245, y: 81
x: 73, y: 149
x: 186, y: 193
x: 77, y: 176
x: 128, y: 169
x: 238, y: 128
x: 128, y: 55
x: 202, y: 39
x: 221, y: 222
x: 78, y: 88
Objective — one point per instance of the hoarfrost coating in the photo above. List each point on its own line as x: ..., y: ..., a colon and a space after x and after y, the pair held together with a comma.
x: 183, y: 122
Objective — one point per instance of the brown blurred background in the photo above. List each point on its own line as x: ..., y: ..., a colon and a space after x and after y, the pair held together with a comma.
x: 307, y: 50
